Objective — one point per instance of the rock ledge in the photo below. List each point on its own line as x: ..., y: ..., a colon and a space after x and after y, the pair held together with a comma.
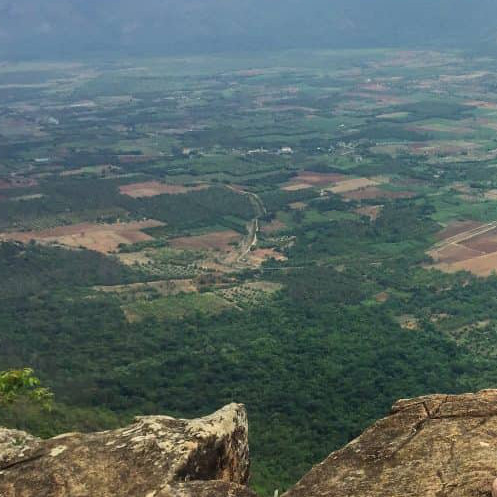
x: 156, y: 456
x: 433, y: 446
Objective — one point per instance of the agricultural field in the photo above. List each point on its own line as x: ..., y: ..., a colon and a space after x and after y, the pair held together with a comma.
x: 176, y: 234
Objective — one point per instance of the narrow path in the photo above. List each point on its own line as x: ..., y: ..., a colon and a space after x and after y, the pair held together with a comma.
x: 250, y: 240
x: 467, y: 235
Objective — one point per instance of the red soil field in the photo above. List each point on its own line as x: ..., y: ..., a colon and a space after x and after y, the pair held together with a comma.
x: 486, y: 243
x: 456, y: 228
x: 104, y: 238
x: 217, y: 240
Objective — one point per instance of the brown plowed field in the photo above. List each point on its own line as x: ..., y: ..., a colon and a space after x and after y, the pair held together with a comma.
x: 293, y: 187
x: 217, y: 240
x: 103, y: 238
x: 321, y: 179
x: 351, y: 185
x: 456, y: 228
x: 484, y: 265
x: 454, y: 253
x: 486, y: 243
x: 309, y: 179
x: 154, y: 188
x: 467, y: 246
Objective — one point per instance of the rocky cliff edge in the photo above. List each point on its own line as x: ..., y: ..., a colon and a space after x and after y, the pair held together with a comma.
x: 433, y: 446
x: 156, y: 456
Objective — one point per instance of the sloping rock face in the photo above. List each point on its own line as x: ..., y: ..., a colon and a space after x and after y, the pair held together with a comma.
x: 434, y: 446
x: 156, y: 456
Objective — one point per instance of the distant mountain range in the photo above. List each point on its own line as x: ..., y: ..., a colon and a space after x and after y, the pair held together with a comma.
x: 53, y: 28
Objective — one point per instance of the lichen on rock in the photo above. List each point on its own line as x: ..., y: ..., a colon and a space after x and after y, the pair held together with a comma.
x: 156, y: 456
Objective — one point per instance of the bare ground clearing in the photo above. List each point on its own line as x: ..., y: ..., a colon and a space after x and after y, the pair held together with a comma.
x: 309, y: 179
x: 457, y: 228
x: 154, y: 188
x: 258, y: 256
x: 467, y: 246
x: 452, y: 253
x: 484, y: 265
x: 104, y: 238
x: 222, y: 241
x: 485, y: 243
x: 371, y: 211
x: 350, y: 185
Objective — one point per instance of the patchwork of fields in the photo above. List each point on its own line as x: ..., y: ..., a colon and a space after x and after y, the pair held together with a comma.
x: 467, y: 246
x: 179, y: 234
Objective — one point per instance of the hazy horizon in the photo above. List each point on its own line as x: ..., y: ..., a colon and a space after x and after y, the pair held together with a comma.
x: 69, y: 28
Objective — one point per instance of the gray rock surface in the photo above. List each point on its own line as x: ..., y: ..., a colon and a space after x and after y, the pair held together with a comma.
x: 433, y: 446
x: 156, y: 456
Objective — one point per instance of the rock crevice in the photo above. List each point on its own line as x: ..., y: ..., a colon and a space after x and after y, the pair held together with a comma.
x: 432, y: 446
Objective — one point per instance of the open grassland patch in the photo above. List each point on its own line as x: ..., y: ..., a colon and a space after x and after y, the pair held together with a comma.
x: 351, y: 185
x: 154, y: 188
x: 393, y: 116
x: 298, y: 206
x: 371, y: 193
x: 452, y: 127
x: 177, y: 306
x: 252, y: 293
x: 444, y: 148
x: 164, y: 288
x: 104, y: 238
x: 310, y: 179
x: 371, y: 211
x: 33, y: 196
x: 293, y: 187
x: 490, y: 195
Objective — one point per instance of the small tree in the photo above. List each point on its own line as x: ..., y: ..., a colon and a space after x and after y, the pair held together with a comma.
x: 18, y: 384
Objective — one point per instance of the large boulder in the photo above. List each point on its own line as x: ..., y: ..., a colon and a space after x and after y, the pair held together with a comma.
x: 433, y: 446
x: 156, y: 456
